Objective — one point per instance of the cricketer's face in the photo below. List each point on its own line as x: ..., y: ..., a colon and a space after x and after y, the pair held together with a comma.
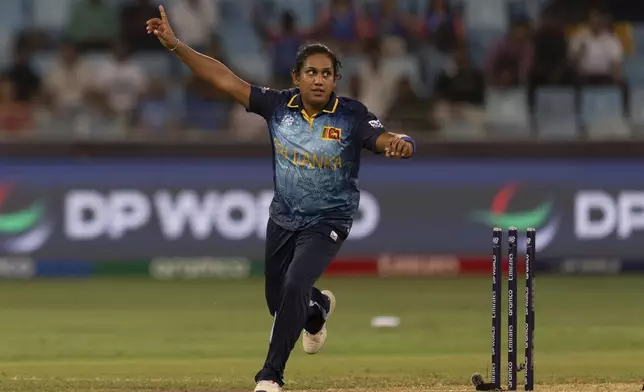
x: 316, y: 80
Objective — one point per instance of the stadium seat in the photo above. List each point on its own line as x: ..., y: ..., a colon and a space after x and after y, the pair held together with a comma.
x: 407, y: 66
x: 120, y: 3
x: 154, y: 64
x: 435, y: 62
x: 95, y: 60
x: 477, y: 55
x: 45, y: 61
x: 480, y: 41
x: 633, y: 68
x: 507, y: 112
x: 320, y: 4
x: 636, y: 110
x: 238, y: 37
x: 232, y: 12
x: 638, y: 36
x: 11, y: 20
x: 556, y: 114
x: 351, y: 63
x: 304, y: 11
x: 51, y: 15
x: 206, y: 116
x: 177, y: 99
x: 12, y: 14
x: 602, y: 110
x: 532, y: 9
x: 350, y: 67
x: 517, y: 8
x: 415, y: 7
x: 462, y: 131
x: 6, y: 42
x: 253, y: 66
x: 486, y: 14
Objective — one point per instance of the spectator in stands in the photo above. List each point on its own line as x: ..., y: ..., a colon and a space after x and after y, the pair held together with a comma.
x: 121, y: 81
x: 286, y: 43
x: 550, y: 65
x: 597, y: 52
x: 154, y: 114
x: 94, y: 24
x: 571, y: 12
x: 343, y: 26
x: 206, y: 108
x: 411, y: 111
x: 97, y: 118
x: 392, y: 27
x: 352, y: 90
x: 67, y: 84
x: 377, y: 80
x: 26, y: 80
x: 509, y: 62
x: 133, y: 15
x: 441, y: 26
x: 15, y: 116
x: 195, y: 21
x: 460, y: 91
x: 246, y: 126
x: 439, y: 29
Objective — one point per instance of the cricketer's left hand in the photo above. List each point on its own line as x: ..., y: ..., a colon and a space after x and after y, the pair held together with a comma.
x: 398, y: 148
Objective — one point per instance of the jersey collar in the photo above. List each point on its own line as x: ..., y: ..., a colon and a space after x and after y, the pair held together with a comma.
x: 331, y: 106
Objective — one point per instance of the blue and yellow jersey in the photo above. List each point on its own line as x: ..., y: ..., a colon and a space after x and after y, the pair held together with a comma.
x: 315, y: 159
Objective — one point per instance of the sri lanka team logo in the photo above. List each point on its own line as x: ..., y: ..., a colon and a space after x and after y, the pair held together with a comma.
x: 23, y: 229
x: 541, y: 217
x: 332, y: 133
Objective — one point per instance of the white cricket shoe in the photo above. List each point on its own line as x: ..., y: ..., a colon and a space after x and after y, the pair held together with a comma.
x: 268, y: 386
x: 314, y: 343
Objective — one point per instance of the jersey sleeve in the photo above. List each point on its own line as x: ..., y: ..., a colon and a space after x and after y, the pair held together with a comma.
x: 264, y: 101
x: 369, y: 129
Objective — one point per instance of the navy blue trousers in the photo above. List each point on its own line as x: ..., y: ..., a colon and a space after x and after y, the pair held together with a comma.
x: 294, y: 261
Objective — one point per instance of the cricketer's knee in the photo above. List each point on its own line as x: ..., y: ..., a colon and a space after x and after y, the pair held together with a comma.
x: 273, y: 298
x: 296, y: 287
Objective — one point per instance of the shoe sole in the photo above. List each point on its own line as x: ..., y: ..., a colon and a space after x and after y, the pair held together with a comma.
x: 267, y: 390
x: 332, y: 301
x: 331, y: 309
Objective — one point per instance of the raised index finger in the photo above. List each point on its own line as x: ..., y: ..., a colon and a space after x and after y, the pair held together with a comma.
x: 164, y: 16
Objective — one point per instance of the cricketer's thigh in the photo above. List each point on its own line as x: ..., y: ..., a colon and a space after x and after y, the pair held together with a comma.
x: 298, y: 256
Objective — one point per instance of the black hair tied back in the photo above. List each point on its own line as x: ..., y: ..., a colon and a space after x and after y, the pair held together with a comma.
x: 317, y: 48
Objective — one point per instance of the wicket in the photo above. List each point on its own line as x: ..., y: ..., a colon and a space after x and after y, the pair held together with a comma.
x: 497, y: 282
x: 529, y: 309
x: 512, y: 307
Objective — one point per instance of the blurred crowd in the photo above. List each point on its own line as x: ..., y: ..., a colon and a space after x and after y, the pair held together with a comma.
x: 422, y: 66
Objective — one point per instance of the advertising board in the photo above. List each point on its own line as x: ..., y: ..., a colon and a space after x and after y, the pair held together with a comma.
x: 125, y: 209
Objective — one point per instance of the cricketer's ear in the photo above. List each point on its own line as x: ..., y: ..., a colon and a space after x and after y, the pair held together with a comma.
x: 296, y: 78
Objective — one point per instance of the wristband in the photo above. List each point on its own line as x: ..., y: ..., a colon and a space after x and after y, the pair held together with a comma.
x: 413, y: 144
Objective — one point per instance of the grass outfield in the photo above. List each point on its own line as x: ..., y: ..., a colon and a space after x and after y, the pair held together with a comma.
x: 142, y: 335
